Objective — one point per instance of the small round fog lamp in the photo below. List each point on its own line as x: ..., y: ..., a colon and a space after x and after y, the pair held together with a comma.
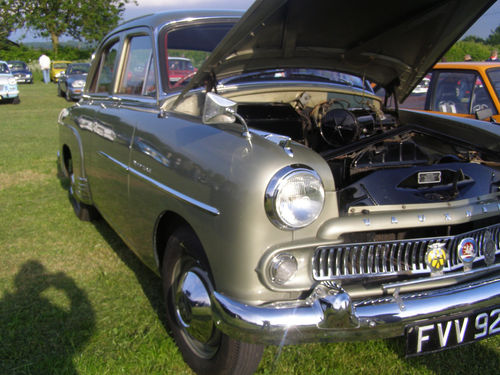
x: 283, y: 268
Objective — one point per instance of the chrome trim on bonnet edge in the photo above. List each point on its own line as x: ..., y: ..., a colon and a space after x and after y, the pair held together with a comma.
x: 205, y: 207
x: 330, y: 317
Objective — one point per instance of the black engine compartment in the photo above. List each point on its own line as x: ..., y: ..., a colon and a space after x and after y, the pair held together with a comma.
x: 374, y: 159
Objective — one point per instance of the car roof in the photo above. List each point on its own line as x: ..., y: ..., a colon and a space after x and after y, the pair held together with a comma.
x: 160, y: 19
x: 475, y: 65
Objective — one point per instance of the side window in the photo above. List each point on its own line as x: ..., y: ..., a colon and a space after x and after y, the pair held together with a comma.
x: 480, y: 98
x: 138, y: 75
x: 453, y: 92
x: 107, y: 66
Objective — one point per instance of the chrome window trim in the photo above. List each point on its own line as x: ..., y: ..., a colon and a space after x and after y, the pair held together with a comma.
x: 176, y: 194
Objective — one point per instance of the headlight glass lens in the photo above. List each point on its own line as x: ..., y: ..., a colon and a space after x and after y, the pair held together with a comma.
x: 12, y: 81
x: 294, y: 197
x: 283, y: 268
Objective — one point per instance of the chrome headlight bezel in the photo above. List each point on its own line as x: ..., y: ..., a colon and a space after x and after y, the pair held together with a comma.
x: 276, y: 188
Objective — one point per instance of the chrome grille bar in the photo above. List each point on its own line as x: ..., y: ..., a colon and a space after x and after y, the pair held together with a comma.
x: 374, y: 259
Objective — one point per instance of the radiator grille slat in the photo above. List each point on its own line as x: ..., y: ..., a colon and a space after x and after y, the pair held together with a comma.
x: 394, y: 257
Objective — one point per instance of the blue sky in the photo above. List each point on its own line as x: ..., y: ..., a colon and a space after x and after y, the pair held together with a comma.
x: 482, y: 28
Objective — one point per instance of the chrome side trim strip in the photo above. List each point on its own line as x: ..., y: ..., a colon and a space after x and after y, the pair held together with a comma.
x: 176, y: 194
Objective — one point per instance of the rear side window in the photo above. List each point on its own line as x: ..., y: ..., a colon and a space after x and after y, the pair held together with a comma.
x: 138, y: 75
x: 107, y: 67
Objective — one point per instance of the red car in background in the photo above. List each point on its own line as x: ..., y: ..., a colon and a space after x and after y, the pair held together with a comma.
x: 179, y: 67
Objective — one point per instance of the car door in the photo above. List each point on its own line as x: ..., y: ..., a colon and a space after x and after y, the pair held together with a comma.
x: 112, y: 134
x: 137, y: 93
x: 459, y: 92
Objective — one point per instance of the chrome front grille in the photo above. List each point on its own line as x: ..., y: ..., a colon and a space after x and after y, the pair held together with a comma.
x: 387, y: 258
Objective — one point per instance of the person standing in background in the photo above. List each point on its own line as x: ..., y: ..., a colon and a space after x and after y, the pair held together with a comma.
x: 44, y: 62
x: 494, y: 56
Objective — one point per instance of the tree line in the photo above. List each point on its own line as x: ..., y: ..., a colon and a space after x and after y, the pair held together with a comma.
x: 82, y: 20
x: 89, y: 21
x: 479, y: 49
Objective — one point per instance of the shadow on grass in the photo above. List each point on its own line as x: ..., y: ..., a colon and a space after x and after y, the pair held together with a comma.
x: 469, y: 359
x: 43, y: 323
x: 149, y: 281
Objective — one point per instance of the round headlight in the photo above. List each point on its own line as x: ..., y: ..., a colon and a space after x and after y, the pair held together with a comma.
x: 294, y: 197
x: 12, y: 81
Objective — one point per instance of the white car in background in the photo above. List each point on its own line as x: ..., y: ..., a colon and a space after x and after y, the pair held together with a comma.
x: 9, y: 91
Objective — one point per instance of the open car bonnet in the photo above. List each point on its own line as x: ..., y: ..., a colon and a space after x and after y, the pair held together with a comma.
x: 392, y: 43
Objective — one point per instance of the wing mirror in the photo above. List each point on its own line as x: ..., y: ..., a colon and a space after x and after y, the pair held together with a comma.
x: 218, y: 109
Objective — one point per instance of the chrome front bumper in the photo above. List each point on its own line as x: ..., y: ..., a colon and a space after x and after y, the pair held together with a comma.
x: 329, y: 315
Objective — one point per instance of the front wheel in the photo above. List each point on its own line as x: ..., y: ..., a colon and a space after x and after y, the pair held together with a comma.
x: 186, y: 280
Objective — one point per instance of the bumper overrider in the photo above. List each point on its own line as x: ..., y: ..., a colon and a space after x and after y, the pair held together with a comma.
x: 328, y: 314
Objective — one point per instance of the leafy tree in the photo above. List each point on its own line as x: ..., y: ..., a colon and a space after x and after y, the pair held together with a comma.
x: 473, y: 38
x: 494, y: 37
x: 80, y: 19
x: 9, y: 19
x: 478, y: 51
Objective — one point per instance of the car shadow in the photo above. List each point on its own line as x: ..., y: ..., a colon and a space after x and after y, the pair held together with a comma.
x: 44, y: 322
x: 149, y: 281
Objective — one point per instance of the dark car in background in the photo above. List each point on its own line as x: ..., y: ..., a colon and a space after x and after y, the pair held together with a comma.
x: 21, y: 71
x: 280, y: 200
x: 72, y: 80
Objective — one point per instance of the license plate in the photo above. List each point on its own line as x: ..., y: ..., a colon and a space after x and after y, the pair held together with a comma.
x: 433, y: 336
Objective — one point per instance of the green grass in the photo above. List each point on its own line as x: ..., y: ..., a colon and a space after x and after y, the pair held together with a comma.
x: 75, y: 300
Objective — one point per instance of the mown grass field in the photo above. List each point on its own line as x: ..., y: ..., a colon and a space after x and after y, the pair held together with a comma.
x: 75, y: 300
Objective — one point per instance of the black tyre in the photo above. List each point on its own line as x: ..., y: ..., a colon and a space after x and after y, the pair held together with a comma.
x: 204, y: 348
x: 68, y: 97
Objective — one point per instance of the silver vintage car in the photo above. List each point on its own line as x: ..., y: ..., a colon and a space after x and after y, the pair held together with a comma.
x: 280, y: 200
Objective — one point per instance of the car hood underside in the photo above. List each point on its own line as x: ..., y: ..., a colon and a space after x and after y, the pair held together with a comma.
x: 392, y: 43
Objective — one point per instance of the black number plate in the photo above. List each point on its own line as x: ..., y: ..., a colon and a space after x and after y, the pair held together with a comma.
x: 433, y: 336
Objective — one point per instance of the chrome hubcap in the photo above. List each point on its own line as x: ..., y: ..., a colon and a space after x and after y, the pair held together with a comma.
x: 193, y: 310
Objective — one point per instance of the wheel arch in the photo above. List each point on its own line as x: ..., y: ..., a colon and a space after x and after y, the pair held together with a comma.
x: 166, y: 225
x: 71, y: 148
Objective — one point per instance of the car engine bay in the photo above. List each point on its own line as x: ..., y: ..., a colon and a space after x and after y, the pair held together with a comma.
x: 374, y: 159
